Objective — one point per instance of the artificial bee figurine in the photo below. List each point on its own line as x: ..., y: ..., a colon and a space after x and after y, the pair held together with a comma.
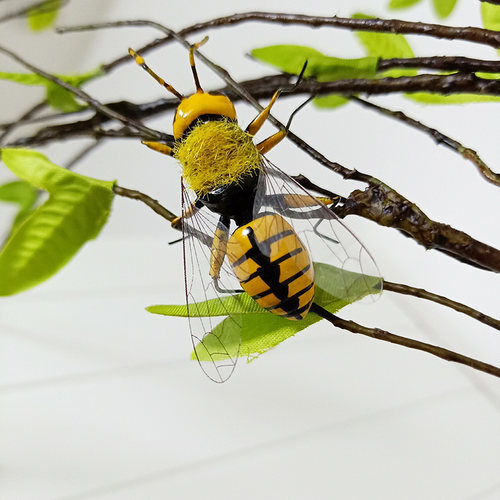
x: 241, y: 222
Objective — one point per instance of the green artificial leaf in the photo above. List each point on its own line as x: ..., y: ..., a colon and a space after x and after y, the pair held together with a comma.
x: 62, y: 99
x: 291, y: 59
x: 491, y: 16
x: 444, y: 8
x: 59, y: 98
x: 402, y: 4
x: 44, y: 15
x: 386, y: 46
x: 48, y: 238
x: 330, y: 101
x: 261, y: 330
x: 21, y: 193
x: 426, y: 98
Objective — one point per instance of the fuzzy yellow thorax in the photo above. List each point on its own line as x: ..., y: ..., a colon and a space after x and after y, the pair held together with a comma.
x: 215, y: 154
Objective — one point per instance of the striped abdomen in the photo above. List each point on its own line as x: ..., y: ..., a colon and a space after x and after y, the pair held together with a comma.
x: 273, y: 266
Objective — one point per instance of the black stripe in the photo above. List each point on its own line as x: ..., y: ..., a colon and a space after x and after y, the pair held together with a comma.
x: 293, y: 253
x: 298, y: 313
x: 296, y: 275
x: 275, y: 237
x: 262, y: 294
x: 293, y: 298
x: 258, y: 273
x: 262, y: 247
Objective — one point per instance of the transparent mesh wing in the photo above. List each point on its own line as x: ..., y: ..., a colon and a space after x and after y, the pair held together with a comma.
x: 214, y: 325
x: 328, y: 240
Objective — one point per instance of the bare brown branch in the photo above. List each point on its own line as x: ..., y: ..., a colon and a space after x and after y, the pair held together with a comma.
x: 439, y: 137
x: 477, y: 35
x: 439, y: 299
x: 386, y: 336
x: 144, y: 198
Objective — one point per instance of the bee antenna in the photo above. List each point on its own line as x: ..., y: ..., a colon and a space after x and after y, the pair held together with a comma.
x: 287, y: 127
x: 192, y: 48
x: 291, y: 88
x: 140, y: 61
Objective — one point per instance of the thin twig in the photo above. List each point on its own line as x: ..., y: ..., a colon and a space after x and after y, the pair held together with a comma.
x: 94, y: 103
x: 478, y: 35
x: 82, y: 154
x: 441, y: 63
x: 144, y: 198
x: 439, y: 137
x: 26, y: 116
x: 386, y: 336
x: 439, y: 299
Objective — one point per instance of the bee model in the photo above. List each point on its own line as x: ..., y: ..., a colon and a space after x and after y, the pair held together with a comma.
x: 228, y: 183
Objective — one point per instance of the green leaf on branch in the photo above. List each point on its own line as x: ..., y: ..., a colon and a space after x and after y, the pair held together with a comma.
x: 444, y: 8
x: 77, y: 209
x: 44, y: 15
x: 402, y: 4
x: 291, y: 59
x: 260, y: 330
x: 426, y: 98
x: 58, y: 98
x: 386, y: 46
x: 21, y: 193
x: 491, y: 16
x: 330, y: 101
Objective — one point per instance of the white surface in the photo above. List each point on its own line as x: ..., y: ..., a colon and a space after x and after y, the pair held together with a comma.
x: 98, y: 399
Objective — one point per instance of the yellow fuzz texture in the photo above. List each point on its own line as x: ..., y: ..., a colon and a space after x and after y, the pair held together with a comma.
x: 216, y: 154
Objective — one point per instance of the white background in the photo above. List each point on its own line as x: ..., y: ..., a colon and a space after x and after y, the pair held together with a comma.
x: 98, y: 398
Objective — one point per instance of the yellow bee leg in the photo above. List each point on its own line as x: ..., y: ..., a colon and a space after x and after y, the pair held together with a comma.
x: 218, y: 252
x: 269, y: 143
x: 259, y: 120
x: 191, y: 210
x: 159, y: 146
x: 304, y: 200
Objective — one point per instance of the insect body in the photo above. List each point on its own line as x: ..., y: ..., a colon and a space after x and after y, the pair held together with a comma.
x: 228, y: 183
x: 273, y: 266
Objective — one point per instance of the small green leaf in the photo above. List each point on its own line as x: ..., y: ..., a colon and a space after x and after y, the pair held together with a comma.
x: 44, y: 16
x: 426, y: 98
x: 75, y: 212
x: 330, y: 101
x: 57, y: 97
x: 491, y: 16
x: 22, y: 194
x: 444, y: 8
x: 386, y: 46
x: 291, y: 59
x: 62, y: 99
x: 261, y: 330
x: 402, y: 4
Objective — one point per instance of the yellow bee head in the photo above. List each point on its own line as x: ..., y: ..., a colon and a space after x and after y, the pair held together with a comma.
x: 192, y: 107
x: 201, y: 104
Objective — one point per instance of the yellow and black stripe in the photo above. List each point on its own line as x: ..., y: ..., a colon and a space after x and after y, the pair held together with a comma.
x: 273, y: 266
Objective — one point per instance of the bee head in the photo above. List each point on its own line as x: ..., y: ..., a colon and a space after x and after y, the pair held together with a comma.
x: 200, y: 104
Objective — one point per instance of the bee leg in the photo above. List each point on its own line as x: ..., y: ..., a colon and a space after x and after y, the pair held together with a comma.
x: 304, y: 200
x: 269, y: 143
x: 218, y: 252
x: 323, y: 236
x: 159, y: 146
x: 189, y: 212
x: 259, y: 120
